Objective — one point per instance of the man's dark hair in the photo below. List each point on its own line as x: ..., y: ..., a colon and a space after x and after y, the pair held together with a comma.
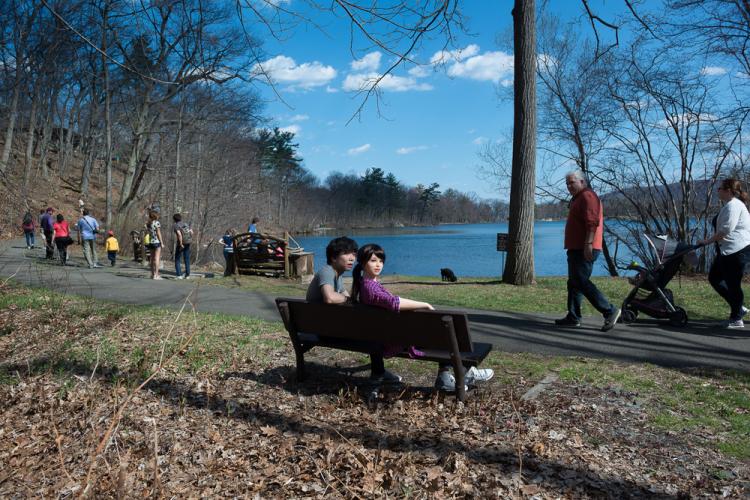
x: 85, y: 211
x: 255, y: 220
x: 340, y: 246
x: 177, y: 217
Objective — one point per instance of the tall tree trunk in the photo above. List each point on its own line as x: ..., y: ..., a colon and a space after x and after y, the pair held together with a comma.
x: 21, y: 36
x: 107, y: 118
x: 176, y: 172
x: 519, y: 269
x: 47, y: 134
x: 30, y: 141
x: 12, y: 117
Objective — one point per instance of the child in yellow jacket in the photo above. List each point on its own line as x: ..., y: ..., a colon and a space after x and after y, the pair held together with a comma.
x: 112, y: 247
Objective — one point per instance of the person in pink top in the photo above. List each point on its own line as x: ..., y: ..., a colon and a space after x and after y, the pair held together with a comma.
x: 368, y: 290
x: 61, y: 238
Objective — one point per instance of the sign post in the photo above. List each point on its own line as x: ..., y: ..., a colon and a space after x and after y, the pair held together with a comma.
x: 502, y: 246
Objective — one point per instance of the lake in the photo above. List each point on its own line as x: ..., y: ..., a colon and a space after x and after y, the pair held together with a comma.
x: 468, y: 249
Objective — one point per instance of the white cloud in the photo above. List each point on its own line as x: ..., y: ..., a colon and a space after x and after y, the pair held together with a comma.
x: 451, y: 56
x: 371, y: 62
x: 713, y: 71
x: 479, y: 140
x: 331, y: 90
x: 410, y: 149
x: 299, y: 118
x: 419, y: 72
x: 490, y: 66
x: 358, y: 150
x: 361, y: 81
x: 295, y: 129
x: 303, y: 76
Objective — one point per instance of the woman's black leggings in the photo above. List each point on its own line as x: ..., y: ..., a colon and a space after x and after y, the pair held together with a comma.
x: 726, y: 278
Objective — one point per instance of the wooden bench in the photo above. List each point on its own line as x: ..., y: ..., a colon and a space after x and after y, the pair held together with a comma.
x: 442, y: 336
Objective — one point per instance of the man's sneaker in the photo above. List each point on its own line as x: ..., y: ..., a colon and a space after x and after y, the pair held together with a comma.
x: 735, y: 324
x: 568, y: 321
x: 385, y: 378
x: 474, y: 375
x: 445, y: 381
x: 97, y: 266
x: 179, y: 277
x: 610, y: 320
x: 744, y: 311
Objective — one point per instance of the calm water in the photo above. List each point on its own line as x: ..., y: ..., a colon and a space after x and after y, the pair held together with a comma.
x: 468, y: 249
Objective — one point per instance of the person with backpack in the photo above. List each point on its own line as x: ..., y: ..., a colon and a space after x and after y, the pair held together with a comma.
x: 47, y: 222
x: 28, y: 227
x: 88, y: 228
x: 184, y: 237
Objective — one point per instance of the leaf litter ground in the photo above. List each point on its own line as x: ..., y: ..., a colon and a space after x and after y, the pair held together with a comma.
x: 225, y: 417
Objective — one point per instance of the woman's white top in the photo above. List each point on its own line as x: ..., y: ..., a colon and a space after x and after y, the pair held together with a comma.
x: 734, y: 223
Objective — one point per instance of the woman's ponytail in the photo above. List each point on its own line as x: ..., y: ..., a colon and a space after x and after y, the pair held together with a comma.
x: 356, y: 282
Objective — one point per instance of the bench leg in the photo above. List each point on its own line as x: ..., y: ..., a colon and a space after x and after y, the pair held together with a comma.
x: 459, y: 373
x: 300, y: 365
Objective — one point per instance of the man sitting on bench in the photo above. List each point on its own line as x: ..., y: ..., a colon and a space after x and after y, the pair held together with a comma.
x: 328, y: 287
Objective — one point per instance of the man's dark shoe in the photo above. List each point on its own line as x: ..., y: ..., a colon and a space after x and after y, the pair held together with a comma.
x: 610, y: 320
x: 568, y: 321
x: 385, y: 378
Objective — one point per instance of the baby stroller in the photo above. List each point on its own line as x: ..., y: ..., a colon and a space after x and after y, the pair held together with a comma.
x: 650, y: 295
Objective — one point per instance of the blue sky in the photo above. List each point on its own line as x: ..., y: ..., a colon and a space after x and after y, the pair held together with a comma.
x: 432, y: 120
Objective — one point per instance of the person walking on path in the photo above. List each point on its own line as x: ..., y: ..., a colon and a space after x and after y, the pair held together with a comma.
x: 183, y: 236
x: 153, y: 226
x: 88, y: 228
x: 584, y: 231
x: 327, y: 286
x: 366, y: 288
x: 732, y: 234
x: 112, y: 246
x: 28, y: 226
x: 61, y: 238
x: 227, y: 240
x: 46, y: 225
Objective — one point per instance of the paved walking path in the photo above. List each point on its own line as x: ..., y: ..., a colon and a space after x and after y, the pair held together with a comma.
x: 699, y: 344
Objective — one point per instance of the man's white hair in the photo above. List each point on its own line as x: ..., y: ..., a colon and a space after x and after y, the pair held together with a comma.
x: 576, y: 174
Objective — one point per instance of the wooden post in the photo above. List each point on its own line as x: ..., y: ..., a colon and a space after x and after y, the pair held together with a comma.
x: 287, y: 270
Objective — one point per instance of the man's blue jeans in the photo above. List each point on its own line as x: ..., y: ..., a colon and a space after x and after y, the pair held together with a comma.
x: 184, y: 253
x: 580, y: 285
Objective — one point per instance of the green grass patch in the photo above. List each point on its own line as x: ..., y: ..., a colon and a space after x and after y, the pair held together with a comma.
x: 717, y: 401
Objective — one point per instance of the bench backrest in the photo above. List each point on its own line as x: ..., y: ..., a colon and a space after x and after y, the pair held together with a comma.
x: 426, y: 329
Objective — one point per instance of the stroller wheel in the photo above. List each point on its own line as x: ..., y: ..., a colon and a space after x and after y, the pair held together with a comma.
x: 679, y: 317
x: 629, y: 315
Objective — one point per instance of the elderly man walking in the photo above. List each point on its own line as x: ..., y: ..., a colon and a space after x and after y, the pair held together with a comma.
x: 583, y: 242
x: 88, y: 228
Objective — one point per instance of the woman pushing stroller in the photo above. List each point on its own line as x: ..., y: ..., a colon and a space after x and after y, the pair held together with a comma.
x: 732, y: 235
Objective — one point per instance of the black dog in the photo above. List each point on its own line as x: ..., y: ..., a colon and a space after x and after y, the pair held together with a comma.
x: 447, y: 275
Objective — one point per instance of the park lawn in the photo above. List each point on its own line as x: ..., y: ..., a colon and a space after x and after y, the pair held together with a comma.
x: 547, y: 296
x: 224, y: 414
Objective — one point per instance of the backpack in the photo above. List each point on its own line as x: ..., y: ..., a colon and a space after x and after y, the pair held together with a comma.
x: 28, y: 222
x: 187, y: 233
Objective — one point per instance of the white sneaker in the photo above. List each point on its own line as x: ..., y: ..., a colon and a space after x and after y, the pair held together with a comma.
x: 475, y: 374
x: 744, y: 311
x: 180, y: 277
x: 732, y: 325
